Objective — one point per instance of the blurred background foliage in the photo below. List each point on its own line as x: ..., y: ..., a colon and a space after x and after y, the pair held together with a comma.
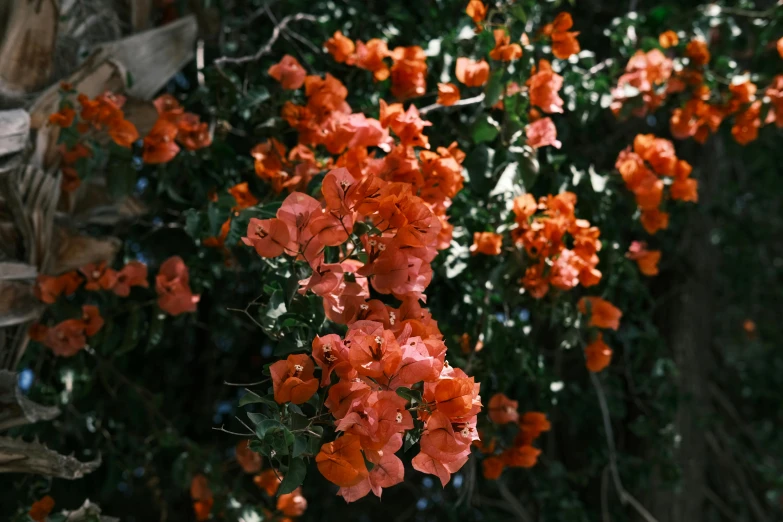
x: 693, y: 388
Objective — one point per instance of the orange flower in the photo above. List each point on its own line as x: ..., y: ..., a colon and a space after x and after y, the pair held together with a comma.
x: 289, y: 72
x: 521, y: 456
x: 370, y: 57
x: 471, y: 72
x: 91, y: 319
x: 654, y: 220
x: 268, y: 480
x: 41, y: 509
x: 192, y: 133
x: 697, y: 51
x: 292, y: 504
x: 341, y: 462
x: 123, y: 132
x: 542, y: 133
x: 66, y: 338
x: 597, y: 355
x: 502, y: 410
x: 201, y: 494
x: 504, y: 50
x: 340, y: 47
x: 173, y: 286
x: 780, y: 47
x: 98, y: 276
x: 487, y: 243
x: 243, y: 196
x: 476, y: 10
x: 448, y: 94
x: 454, y: 397
x: 292, y: 379
x: 668, y: 39
x: 646, y: 259
x: 47, y: 288
x: 543, y: 87
x: 747, y: 123
x: 408, y: 72
x: 685, y: 190
x: 603, y: 314
x: 63, y: 118
x: 564, y: 43
x: 492, y: 467
x: 749, y: 325
x: 159, y: 144
x: 533, y: 424
x: 132, y: 274
x: 248, y: 460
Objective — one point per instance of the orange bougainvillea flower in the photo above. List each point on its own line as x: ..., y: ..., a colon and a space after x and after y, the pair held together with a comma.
x: 646, y: 259
x: 487, y: 243
x: 132, y: 274
x: 472, y: 73
x: 63, y: 118
x: 598, y: 355
x: 543, y: 86
x: 47, y: 288
x: 448, y: 94
x: 492, y: 468
x: 340, y: 47
x: 289, y: 72
x: 603, y: 314
x: 173, y: 286
x: 159, y: 144
x: 248, y: 460
x: 780, y: 47
x: 341, y: 462
x: 123, y: 132
x: 504, y: 50
x: 521, y: 456
x: 292, y: 379
x: 268, y: 480
x: 370, y: 56
x: 292, y: 504
x: 243, y: 196
x: 697, y: 51
x: 98, y: 276
x: 542, y: 133
x: 92, y: 320
x: 408, y: 72
x: 201, y: 494
x: 66, y: 339
x: 668, y: 39
x: 454, y: 397
x: 270, y: 237
x: 532, y: 425
x: 564, y: 43
x: 502, y: 410
x: 41, y: 509
x: 654, y: 220
x: 476, y: 10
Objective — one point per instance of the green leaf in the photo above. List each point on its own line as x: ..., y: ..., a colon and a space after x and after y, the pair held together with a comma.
x: 508, y: 183
x: 409, y: 394
x: 300, y: 445
x: 250, y: 398
x: 411, y: 439
x: 155, y: 334
x: 494, y: 88
x: 294, y: 476
x: 193, y: 223
x: 518, y: 12
x: 485, y: 129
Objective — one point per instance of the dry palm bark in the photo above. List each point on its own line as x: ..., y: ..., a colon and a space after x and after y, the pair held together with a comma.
x: 40, y: 227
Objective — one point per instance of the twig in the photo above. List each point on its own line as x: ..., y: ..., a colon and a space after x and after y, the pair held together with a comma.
x: 224, y: 430
x: 625, y: 497
x: 718, y: 503
x: 466, y: 101
x: 267, y: 48
x: 604, y: 496
x: 245, y: 384
x: 517, y: 508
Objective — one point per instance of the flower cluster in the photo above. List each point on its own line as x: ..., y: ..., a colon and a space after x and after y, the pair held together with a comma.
x: 408, y: 71
x: 544, y: 228
x: 604, y: 315
x: 520, y: 453
x: 104, y: 113
x: 68, y: 337
x: 647, y: 169
x: 647, y: 260
x: 652, y: 76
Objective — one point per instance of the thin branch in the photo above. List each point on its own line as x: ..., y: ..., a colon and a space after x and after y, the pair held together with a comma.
x: 718, y: 503
x: 224, y: 430
x: 515, y: 506
x: 625, y: 497
x: 460, y: 103
x: 266, y: 48
x: 245, y: 384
